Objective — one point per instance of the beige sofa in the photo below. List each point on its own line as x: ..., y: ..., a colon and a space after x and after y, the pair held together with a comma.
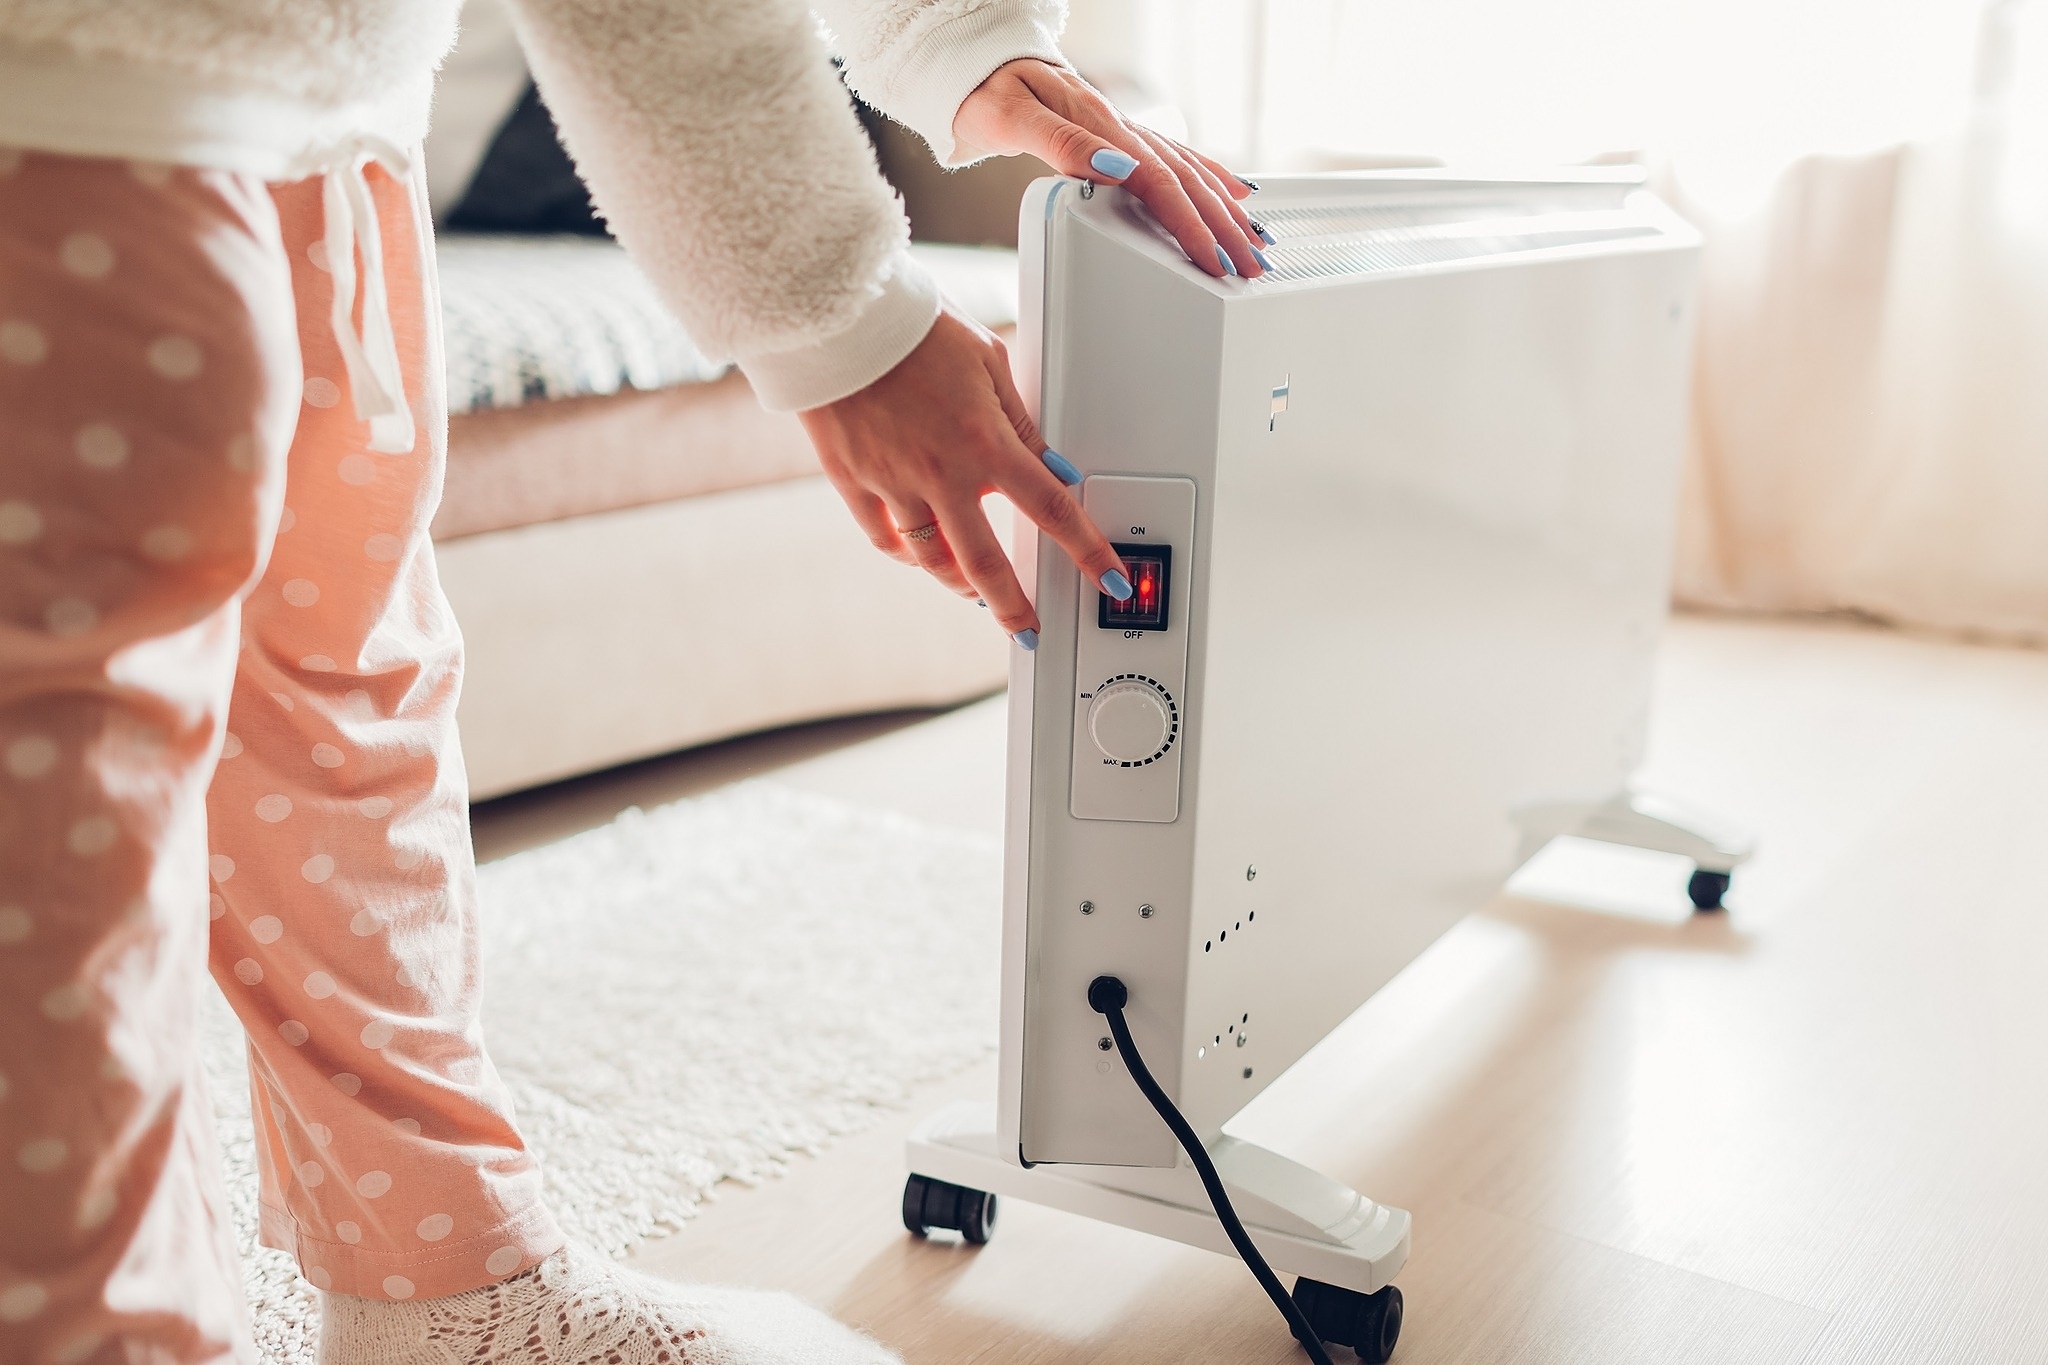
x: 646, y: 570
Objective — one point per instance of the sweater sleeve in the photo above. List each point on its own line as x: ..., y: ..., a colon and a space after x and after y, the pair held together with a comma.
x: 917, y: 60
x: 725, y: 155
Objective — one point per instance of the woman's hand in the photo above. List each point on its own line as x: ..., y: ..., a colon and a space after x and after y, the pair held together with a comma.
x: 914, y: 453
x: 923, y: 444
x: 1048, y: 111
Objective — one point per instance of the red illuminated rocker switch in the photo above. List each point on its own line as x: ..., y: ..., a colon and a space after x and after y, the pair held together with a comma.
x: 1150, y: 569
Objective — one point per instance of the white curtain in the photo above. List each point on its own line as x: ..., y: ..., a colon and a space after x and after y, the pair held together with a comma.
x: 1871, y: 415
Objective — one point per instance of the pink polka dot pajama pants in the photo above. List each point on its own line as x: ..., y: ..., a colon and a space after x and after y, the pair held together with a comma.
x: 227, y: 734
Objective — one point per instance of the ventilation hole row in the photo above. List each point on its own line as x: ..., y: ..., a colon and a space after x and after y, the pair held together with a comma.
x: 1323, y: 260
x: 1323, y: 220
x: 1203, y: 1051
x: 1224, y: 937
x: 1329, y: 220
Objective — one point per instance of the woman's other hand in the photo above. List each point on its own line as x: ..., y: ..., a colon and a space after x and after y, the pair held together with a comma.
x: 1050, y: 112
x: 921, y: 446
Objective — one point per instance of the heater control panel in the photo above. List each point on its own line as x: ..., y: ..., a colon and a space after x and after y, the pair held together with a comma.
x: 1131, y: 657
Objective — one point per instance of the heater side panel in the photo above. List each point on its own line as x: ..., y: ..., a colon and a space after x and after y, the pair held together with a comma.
x: 1126, y: 390
x: 1437, y: 582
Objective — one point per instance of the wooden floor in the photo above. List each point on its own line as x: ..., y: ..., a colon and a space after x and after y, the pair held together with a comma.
x: 1812, y: 1129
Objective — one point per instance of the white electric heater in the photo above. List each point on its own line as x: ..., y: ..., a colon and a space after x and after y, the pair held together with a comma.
x: 1400, y: 518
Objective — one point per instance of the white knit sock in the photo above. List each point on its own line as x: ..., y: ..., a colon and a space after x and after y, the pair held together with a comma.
x: 579, y: 1308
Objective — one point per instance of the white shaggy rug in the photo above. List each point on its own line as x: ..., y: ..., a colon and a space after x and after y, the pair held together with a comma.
x: 693, y: 994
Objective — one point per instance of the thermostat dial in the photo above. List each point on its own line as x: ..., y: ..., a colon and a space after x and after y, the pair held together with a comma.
x: 1133, y: 720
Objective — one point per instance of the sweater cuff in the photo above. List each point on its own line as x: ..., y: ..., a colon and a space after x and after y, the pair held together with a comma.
x: 888, y: 329
x: 927, y: 89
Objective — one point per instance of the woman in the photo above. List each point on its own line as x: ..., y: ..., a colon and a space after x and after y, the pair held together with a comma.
x: 227, y: 673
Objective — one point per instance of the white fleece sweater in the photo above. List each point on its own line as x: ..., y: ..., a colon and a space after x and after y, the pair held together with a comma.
x: 713, y: 134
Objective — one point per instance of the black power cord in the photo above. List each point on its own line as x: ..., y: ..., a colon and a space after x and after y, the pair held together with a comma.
x: 1107, y: 996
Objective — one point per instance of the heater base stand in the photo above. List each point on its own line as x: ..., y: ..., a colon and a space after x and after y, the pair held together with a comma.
x: 1639, y: 819
x: 1304, y: 1222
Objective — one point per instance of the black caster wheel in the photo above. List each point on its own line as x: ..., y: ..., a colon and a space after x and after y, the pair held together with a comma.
x: 1707, y: 889
x: 1369, y: 1324
x: 929, y: 1203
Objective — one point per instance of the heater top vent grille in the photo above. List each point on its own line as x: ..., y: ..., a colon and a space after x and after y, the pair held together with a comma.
x: 1321, y: 241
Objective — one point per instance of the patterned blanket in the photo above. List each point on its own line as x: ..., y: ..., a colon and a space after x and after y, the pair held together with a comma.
x: 534, y: 318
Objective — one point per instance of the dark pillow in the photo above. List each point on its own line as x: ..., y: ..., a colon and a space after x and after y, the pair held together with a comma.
x: 526, y: 182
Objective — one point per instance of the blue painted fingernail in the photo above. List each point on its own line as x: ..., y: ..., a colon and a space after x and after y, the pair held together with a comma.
x: 1061, y: 466
x: 1223, y: 259
x: 1251, y: 185
x: 1116, y: 585
x: 1027, y: 639
x: 1113, y: 163
x: 1268, y: 238
x: 1260, y: 256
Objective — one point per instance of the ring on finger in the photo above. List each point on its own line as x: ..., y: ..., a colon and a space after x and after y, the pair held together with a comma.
x: 924, y: 532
